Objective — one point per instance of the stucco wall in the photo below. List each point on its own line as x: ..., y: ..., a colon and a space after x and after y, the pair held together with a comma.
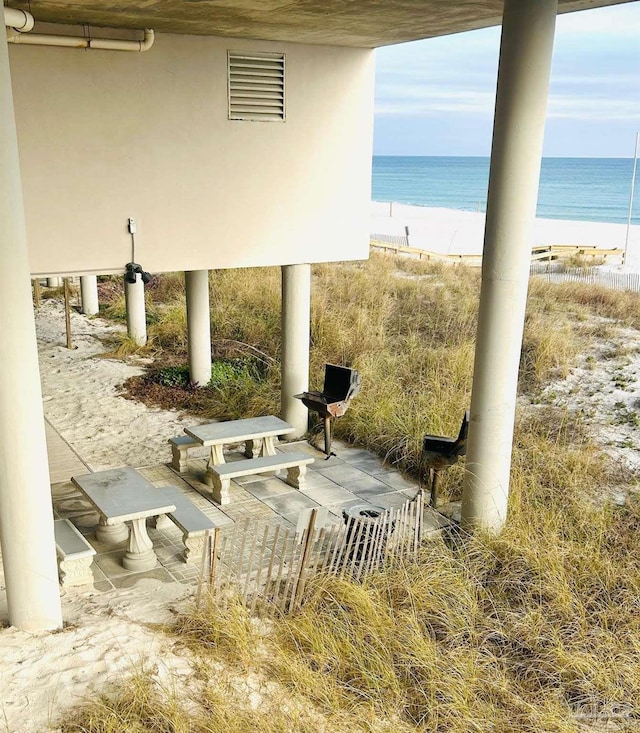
x: 108, y: 135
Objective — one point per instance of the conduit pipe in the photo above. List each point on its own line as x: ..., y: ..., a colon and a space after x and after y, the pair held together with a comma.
x: 19, y: 22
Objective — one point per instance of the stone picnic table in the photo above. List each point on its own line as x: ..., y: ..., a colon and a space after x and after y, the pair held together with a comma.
x: 259, y: 437
x: 257, y: 433
x: 123, y: 495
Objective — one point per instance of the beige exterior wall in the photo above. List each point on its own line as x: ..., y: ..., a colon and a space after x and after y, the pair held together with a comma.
x: 104, y: 136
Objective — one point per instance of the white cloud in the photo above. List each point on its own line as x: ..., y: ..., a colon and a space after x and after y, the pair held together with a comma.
x: 595, y: 82
x: 617, y: 20
x: 431, y: 100
x: 592, y: 108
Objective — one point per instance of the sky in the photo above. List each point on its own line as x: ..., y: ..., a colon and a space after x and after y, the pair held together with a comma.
x: 436, y: 97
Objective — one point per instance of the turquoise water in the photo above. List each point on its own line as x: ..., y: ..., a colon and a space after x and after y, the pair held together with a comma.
x: 583, y: 189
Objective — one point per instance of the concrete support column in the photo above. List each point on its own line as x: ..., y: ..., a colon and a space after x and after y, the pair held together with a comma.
x: 296, y: 317
x: 523, y: 85
x: 198, y: 326
x: 136, y: 311
x: 54, y: 282
x: 89, y: 294
x: 26, y: 516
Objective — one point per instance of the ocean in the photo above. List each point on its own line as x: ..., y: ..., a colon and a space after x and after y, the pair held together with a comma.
x: 581, y: 189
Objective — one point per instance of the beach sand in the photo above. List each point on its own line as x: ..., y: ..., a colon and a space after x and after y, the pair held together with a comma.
x: 106, y: 635
x: 451, y: 231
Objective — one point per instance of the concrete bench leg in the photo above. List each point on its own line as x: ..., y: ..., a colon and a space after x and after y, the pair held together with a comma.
x: 75, y: 571
x: 219, y: 487
x: 193, y: 547
x: 253, y: 448
x: 179, y: 458
x: 296, y: 476
x: 162, y: 521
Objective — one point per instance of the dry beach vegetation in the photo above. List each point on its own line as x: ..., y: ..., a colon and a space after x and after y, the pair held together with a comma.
x: 537, y: 629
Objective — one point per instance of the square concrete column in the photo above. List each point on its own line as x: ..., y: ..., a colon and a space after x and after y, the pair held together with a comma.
x: 26, y: 515
x: 296, y: 317
x: 89, y: 294
x: 521, y: 102
x: 198, y: 326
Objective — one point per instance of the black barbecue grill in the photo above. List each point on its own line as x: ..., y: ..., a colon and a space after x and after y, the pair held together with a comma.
x: 341, y: 385
x: 439, y: 452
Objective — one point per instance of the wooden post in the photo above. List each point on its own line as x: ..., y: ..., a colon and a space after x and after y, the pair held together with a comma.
x: 297, y: 594
x: 37, y: 298
x: 213, y: 563
x: 67, y: 312
x: 267, y: 582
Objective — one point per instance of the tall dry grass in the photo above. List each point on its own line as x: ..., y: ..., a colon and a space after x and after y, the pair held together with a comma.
x: 407, y: 326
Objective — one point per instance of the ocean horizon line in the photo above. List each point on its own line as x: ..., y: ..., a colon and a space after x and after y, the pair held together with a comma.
x: 488, y: 157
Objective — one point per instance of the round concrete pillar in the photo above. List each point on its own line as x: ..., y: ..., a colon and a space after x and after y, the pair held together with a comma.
x: 54, y: 282
x: 26, y: 516
x: 198, y: 326
x: 136, y: 311
x: 296, y: 316
x: 521, y: 102
x: 89, y: 294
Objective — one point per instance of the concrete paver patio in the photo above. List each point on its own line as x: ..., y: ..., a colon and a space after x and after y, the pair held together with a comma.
x: 353, y: 476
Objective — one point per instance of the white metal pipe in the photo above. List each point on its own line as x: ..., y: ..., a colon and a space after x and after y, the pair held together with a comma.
x: 41, y: 39
x: 109, y: 44
x: 26, y: 515
x: 198, y: 326
x: 296, y: 316
x: 136, y: 311
x: 18, y: 19
x: 106, y: 44
x: 54, y: 282
x: 89, y: 294
x: 523, y: 86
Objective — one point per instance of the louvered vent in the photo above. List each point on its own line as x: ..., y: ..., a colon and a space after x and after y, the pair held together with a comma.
x: 256, y: 86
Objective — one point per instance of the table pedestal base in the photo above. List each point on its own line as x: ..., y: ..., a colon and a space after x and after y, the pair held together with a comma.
x: 139, y: 555
x: 112, y: 534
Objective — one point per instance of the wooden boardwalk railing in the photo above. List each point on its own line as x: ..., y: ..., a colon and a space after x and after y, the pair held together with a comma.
x: 398, y: 245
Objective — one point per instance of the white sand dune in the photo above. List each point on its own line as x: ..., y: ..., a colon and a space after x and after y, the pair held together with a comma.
x: 450, y: 231
x: 83, y: 399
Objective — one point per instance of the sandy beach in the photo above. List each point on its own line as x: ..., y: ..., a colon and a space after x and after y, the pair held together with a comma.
x: 451, y: 231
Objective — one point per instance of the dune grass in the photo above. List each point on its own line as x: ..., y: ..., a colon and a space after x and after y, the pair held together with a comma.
x: 535, y: 630
x: 407, y: 326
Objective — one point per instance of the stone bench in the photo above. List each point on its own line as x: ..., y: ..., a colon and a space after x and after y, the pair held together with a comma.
x: 219, y: 477
x: 194, y: 523
x: 179, y: 448
x: 75, y: 554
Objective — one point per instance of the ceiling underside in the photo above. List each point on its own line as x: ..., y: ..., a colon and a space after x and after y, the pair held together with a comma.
x: 360, y: 23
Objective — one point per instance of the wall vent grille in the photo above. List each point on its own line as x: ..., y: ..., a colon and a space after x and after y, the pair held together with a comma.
x: 256, y: 86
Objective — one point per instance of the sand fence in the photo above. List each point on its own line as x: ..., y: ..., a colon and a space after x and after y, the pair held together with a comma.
x: 268, y: 565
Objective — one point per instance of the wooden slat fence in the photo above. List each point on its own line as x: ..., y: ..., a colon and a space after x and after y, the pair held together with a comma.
x: 268, y: 565
x: 399, y: 245
x: 626, y: 281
